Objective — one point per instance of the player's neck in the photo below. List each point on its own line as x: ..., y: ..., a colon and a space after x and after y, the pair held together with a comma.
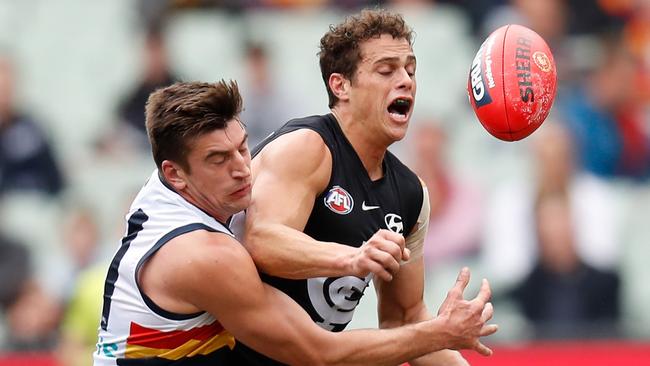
x: 369, y: 148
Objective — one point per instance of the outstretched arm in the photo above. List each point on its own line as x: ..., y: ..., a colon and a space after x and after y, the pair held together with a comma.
x: 288, y: 175
x: 401, y: 301
x: 207, y: 271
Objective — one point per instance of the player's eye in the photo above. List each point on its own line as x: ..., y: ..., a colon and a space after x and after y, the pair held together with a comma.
x: 410, y: 70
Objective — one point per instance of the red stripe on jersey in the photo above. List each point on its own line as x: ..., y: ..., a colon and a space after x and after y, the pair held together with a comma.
x: 153, y: 338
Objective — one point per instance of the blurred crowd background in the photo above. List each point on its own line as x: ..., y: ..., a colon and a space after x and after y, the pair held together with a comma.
x: 559, y: 222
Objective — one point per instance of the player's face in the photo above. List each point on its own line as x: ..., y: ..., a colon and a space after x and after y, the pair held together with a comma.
x: 220, y: 177
x: 383, y: 89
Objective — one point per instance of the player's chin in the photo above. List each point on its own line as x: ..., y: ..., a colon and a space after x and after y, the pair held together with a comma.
x: 240, y: 204
x: 397, y: 127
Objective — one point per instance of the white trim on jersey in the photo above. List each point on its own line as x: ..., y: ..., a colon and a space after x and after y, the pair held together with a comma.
x: 157, y: 215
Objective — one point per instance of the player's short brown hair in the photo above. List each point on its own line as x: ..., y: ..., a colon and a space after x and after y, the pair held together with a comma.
x: 179, y: 113
x: 339, y: 48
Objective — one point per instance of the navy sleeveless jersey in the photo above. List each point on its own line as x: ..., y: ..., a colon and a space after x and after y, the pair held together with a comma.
x: 349, y: 211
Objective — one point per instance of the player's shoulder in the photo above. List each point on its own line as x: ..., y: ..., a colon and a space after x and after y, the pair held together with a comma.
x: 308, y: 130
x: 312, y: 120
x: 190, y: 268
x: 301, y: 146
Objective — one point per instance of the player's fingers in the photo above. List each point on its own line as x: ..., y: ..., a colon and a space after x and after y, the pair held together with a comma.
x: 488, y: 329
x: 483, y: 349
x: 386, y: 260
x: 378, y: 270
x: 406, y: 254
x: 394, y: 237
x: 461, y: 283
x: 488, y: 311
x: 387, y: 246
x: 485, y: 293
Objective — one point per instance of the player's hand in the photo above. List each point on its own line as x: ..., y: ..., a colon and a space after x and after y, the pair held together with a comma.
x: 465, y: 320
x: 380, y: 255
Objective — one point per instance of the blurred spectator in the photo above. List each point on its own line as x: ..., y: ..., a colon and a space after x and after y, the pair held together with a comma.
x: 26, y: 159
x: 637, y: 36
x: 548, y: 18
x: 31, y: 315
x: 265, y: 107
x: 33, y: 319
x: 553, y: 19
x: 475, y: 10
x: 156, y: 74
x: 292, y: 3
x: 563, y: 296
x: 131, y: 132
x: 79, y: 327
x: 456, y: 204
x: 81, y: 237
x: 510, y: 249
x: 89, y: 260
x: 605, y: 117
x: 81, y: 242
x: 594, y: 16
x: 14, y: 269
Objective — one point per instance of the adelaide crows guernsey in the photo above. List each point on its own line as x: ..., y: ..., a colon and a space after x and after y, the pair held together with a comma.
x: 134, y: 330
x: 349, y: 211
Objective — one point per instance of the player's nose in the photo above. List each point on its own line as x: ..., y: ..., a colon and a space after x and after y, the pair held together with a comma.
x: 241, y: 166
x: 405, y: 79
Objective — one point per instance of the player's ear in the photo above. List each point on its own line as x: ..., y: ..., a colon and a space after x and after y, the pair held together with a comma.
x: 173, y: 174
x: 340, y: 86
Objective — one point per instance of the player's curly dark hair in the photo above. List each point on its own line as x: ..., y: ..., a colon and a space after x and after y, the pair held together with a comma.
x: 179, y: 113
x: 339, y: 48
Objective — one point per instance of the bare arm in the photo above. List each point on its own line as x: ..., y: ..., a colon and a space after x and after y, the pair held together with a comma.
x: 212, y: 272
x: 401, y: 301
x: 288, y: 176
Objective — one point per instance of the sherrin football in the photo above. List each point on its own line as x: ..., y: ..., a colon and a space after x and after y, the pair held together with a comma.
x: 512, y: 82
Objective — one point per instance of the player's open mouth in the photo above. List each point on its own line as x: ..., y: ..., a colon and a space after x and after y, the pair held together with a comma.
x: 400, y: 108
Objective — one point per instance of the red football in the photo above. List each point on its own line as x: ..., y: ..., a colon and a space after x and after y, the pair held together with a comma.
x: 512, y: 82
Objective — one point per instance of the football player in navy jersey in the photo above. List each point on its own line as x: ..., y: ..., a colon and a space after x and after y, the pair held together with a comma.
x: 181, y: 288
x: 332, y: 208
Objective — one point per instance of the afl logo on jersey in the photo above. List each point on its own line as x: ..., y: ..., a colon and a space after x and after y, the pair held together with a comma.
x: 394, y: 223
x: 339, y: 200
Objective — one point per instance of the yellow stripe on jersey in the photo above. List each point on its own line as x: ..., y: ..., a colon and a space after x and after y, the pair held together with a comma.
x: 190, y: 348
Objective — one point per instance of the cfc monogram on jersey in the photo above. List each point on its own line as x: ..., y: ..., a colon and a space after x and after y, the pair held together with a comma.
x: 349, y: 211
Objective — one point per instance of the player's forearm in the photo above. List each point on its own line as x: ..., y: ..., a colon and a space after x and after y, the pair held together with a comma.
x: 279, y: 250
x: 400, y: 316
x: 283, y: 332
x: 388, y: 346
x: 392, y: 314
x: 446, y: 357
